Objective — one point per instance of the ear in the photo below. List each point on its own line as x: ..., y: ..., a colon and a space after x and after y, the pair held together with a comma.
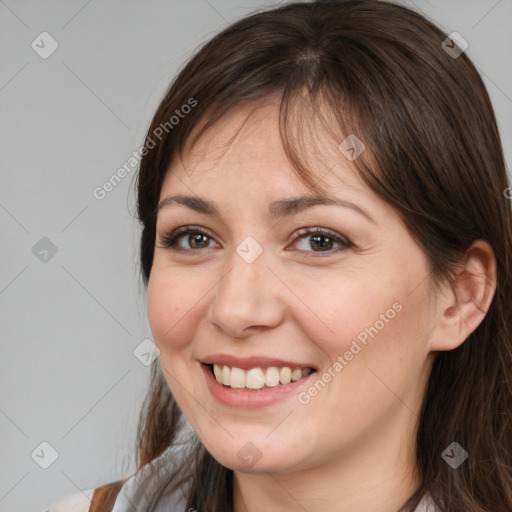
x: 462, y: 306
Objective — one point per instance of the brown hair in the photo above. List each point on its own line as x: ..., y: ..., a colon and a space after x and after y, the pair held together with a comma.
x: 433, y: 152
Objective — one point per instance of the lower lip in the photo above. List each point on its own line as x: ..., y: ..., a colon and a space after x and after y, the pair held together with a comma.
x: 251, y: 398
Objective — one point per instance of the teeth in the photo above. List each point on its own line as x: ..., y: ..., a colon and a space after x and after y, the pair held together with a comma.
x: 257, y: 378
x: 237, y: 378
x: 218, y: 371
x: 272, y: 377
x: 285, y: 375
x: 226, y: 374
x: 296, y: 374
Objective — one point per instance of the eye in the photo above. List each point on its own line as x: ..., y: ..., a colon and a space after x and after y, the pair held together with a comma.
x: 199, y: 238
x: 322, y: 239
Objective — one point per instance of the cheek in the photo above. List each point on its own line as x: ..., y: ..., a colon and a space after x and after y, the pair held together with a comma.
x: 172, y: 311
x: 363, y: 315
x: 173, y: 303
x: 371, y: 358
x: 339, y: 309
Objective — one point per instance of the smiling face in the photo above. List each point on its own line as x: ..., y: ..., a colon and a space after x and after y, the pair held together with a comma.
x: 350, y: 301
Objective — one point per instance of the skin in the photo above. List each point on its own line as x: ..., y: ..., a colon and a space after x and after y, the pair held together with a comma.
x: 352, y: 446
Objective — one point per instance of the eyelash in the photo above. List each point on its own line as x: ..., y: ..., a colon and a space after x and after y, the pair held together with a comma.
x: 170, y: 241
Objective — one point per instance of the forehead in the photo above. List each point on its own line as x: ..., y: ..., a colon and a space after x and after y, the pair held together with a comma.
x: 246, y: 145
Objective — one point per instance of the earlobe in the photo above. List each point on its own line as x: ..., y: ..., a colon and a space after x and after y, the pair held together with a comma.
x: 463, y: 309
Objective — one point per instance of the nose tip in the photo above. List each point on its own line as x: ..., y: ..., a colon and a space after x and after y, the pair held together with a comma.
x: 245, y: 300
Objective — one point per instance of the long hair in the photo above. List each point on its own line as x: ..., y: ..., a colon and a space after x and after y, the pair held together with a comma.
x: 383, y: 73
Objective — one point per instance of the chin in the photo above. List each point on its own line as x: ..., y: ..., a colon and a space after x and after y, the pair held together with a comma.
x: 252, y: 460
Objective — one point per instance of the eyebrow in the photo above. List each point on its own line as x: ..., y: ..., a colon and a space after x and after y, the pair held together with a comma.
x: 277, y: 209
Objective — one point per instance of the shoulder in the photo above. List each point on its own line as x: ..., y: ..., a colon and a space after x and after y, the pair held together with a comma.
x: 77, y: 502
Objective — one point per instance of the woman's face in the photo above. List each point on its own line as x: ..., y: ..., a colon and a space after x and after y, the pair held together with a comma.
x: 254, y: 290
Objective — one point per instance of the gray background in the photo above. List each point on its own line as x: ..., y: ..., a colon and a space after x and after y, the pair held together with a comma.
x: 70, y: 322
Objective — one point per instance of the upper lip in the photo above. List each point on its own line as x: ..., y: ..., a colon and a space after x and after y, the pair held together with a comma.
x: 252, y: 362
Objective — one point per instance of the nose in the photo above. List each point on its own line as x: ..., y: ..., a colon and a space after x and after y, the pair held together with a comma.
x: 248, y: 298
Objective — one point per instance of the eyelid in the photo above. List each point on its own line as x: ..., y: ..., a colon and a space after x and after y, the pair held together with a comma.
x: 343, y: 241
x: 170, y: 239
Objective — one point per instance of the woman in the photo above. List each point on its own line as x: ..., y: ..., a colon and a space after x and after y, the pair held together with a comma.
x: 326, y: 245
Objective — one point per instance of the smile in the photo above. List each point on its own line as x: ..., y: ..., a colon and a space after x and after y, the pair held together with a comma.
x: 259, y: 396
x: 257, y: 378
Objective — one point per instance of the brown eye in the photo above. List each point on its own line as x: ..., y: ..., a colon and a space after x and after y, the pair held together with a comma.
x: 321, y: 239
x: 197, y: 239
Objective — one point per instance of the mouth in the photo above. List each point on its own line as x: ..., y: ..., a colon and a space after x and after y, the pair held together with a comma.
x: 257, y: 378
